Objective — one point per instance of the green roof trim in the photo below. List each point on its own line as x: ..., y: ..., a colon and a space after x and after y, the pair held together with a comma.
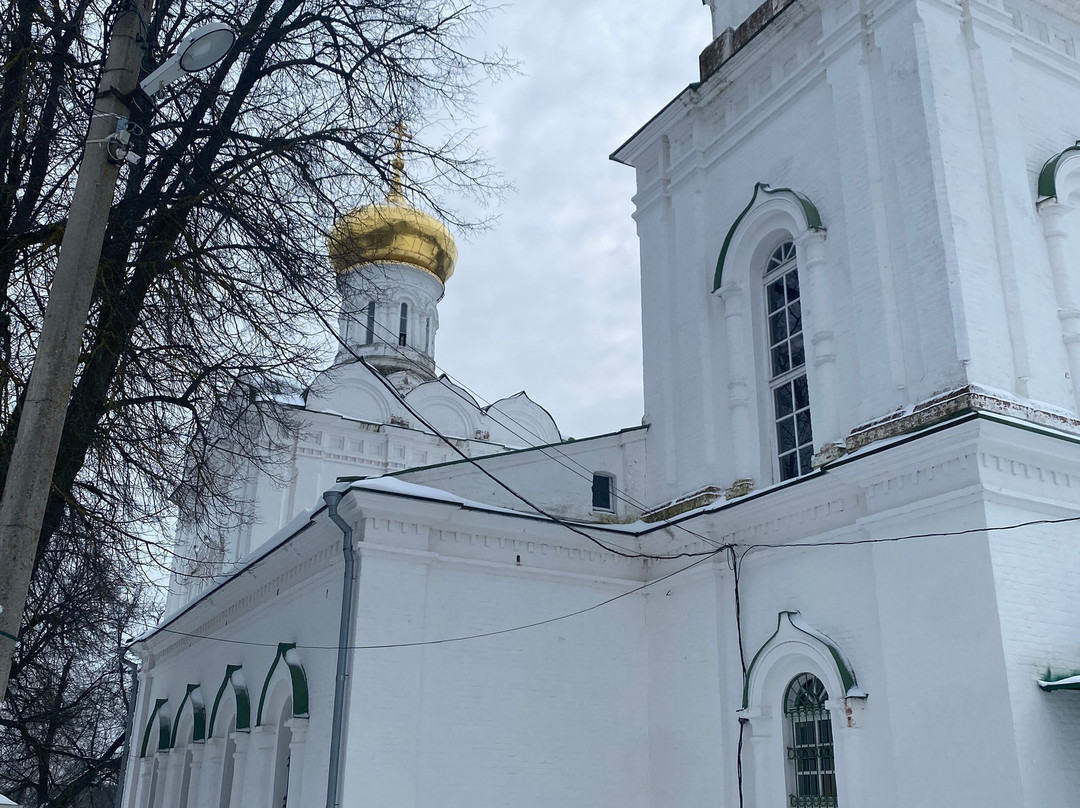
x: 1048, y: 175
x: 296, y: 674
x: 198, y: 714
x: 843, y: 668
x: 809, y: 209
x: 1061, y: 682
x: 243, y: 702
x: 163, y: 728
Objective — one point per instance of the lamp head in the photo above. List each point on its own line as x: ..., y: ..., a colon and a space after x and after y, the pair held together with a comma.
x: 202, y: 48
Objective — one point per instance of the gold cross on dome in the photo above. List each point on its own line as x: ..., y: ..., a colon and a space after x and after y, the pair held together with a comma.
x: 397, y: 190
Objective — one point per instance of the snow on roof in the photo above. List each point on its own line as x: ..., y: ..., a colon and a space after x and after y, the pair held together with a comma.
x: 394, y: 485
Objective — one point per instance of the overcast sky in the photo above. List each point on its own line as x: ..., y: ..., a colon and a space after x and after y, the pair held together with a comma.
x: 547, y: 300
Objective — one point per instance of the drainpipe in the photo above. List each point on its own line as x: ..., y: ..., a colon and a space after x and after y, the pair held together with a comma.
x: 129, y: 727
x: 352, y: 560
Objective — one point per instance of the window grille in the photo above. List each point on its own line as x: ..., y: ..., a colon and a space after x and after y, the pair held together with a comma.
x: 403, y: 324
x: 787, y: 362
x: 811, y: 761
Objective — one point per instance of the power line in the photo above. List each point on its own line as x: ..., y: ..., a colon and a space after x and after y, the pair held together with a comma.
x: 446, y: 640
x: 737, y: 558
x: 561, y: 522
x: 615, y: 549
x: 543, y: 449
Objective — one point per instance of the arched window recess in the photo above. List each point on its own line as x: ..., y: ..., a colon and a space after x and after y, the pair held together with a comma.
x: 802, y: 705
x: 160, y: 719
x: 794, y: 636
x: 234, y: 678
x: 778, y: 227
x: 192, y: 697
x: 792, y: 210
x: 287, y: 654
x: 1059, y: 198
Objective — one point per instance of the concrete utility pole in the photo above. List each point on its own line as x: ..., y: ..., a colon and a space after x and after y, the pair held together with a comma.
x: 33, y: 459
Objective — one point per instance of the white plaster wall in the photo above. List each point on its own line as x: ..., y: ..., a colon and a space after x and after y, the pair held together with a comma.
x: 688, y: 756
x: 557, y: 478
x: 1034, y: 479
x: 548, y: 716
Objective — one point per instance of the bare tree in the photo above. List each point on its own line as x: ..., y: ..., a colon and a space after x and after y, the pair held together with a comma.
x: 214, y: 259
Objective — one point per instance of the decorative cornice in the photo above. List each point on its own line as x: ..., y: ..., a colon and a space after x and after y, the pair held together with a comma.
x: 732, y: 40
x: 688, y: 502
x: 950, y: 404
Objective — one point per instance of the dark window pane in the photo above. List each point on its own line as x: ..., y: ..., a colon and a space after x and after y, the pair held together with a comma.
x: 789, y: 466
x: 783, y: 401
x: 795, y: 317
x: 806, y: 459
x: 791, y: 280
x: 777, y: 328
x: 601, y: 492
x: 785, y: 434
x: 775, y: 295
x: 781, y: 362
x: 802, y: 421
x: 798, y: 355
x: 802, y: 395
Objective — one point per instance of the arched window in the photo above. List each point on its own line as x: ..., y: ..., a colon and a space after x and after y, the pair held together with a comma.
x: 787, y: 364
x: 403, y: 324
x: 811, y: 763
x: 369, y: 334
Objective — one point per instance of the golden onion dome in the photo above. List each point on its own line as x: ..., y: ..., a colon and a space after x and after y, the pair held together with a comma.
x: 393, y: 231
x: 396, y: 232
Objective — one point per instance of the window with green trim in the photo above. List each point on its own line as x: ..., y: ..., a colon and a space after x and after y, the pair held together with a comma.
x: 787, y: 364
x: 811, y: 761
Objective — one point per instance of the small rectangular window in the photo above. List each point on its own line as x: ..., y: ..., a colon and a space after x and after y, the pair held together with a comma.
x: 603, y: 492
x: 369, y: 336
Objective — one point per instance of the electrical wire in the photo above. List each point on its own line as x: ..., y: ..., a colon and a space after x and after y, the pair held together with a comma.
x: 667, y: 576
x: 521, y: 497
x: 542, y: 448
x: 445, y: 640
x: 614, y: 549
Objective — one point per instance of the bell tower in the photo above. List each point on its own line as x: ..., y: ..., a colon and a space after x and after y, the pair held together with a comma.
x: 914, y: 163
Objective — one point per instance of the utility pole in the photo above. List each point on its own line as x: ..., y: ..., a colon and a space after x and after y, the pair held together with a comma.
x: 44, y: 408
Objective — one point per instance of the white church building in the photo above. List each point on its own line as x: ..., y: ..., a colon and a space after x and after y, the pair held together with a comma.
x: 838, y: 563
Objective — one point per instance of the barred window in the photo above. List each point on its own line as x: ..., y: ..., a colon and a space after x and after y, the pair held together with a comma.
x: 811, y: 763
x: 403, y: 325
x: 787, y: 364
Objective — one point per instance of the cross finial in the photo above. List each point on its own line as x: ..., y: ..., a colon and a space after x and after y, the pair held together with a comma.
x: 397, y: 194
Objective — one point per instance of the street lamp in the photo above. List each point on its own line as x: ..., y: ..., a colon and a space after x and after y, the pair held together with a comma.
x: 44, y: 407
x: 202, y: 48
